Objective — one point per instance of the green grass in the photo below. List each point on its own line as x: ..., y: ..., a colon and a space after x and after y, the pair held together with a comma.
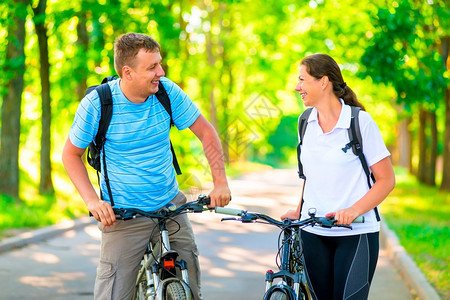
x: 419, y: 215
x: 32, y: 210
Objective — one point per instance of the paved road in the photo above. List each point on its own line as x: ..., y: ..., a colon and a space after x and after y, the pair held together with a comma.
x: 234, y: 256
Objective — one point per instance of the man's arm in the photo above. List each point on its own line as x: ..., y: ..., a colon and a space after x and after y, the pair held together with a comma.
x: 75, y: 168
x: 220, y: 195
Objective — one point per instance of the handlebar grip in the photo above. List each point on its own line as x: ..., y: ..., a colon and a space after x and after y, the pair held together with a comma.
x: 359, y: 219
x: 228, y: 211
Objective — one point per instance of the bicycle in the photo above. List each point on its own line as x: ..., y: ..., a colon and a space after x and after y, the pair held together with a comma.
x: 291, y: 276
x: 158, y: 277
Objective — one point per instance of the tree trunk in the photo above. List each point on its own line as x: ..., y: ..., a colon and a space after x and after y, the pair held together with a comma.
x: 211, y: 76
x: 445, y: 184
x: 11, y: 108
x: 410, y: 145
x: 83, y: 46
x: 226, y: 84
x: 432, y: 150
x: 225, y: 107
x: 422, y: 168
x: 45, y: 185
x: 402, y: 154
x: 427, y: 147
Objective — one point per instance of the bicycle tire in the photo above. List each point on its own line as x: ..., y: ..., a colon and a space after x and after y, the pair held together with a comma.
x: 175, y: 291
x: 278, y: 295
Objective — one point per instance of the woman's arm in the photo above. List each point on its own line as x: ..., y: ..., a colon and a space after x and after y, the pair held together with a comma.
x: 384, y: 184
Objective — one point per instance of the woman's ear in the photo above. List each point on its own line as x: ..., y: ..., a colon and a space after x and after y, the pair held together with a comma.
x: 325, y: 81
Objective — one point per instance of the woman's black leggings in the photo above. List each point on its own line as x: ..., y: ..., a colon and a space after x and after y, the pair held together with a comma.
x: 340, y: 267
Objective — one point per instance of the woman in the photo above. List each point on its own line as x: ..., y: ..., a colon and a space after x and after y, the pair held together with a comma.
x: 339, y: 262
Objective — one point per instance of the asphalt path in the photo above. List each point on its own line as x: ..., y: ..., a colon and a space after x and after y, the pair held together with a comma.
x: 233, y: 256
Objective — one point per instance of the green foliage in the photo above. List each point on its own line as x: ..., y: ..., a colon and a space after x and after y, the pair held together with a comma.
x: 226, y: 54
x: 419, y: 216
x: 281, y: 144
x: 403, y: 52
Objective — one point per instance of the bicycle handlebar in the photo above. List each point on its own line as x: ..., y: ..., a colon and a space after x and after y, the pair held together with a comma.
x: 229, y: 211
x: 165, y: 213
x: 247, y: 217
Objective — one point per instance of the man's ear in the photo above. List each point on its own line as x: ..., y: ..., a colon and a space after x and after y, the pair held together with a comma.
x: 126, y: 72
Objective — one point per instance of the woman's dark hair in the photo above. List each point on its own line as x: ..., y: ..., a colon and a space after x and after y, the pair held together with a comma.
x: 319, y: 65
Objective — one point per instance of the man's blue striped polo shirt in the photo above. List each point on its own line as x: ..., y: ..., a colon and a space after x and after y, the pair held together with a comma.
x: 138, y: 156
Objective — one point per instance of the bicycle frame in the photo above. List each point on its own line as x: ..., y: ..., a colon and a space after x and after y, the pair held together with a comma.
x: 157, y: 275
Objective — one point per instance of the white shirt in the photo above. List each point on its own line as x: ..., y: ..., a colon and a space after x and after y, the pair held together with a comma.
x: 335, y: 179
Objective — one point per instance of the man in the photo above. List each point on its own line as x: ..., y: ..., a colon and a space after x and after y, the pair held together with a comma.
x: 139, y: 164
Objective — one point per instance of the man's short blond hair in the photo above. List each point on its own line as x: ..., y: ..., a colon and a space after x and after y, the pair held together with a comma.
x: 127, y: 46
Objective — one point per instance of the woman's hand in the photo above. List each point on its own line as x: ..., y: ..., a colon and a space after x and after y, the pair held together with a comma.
x: 291, y: 214
x: 344, y: 216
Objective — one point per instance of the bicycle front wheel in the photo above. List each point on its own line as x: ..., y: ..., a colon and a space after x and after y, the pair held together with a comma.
x: 175, y: 291
x: 278, y: 295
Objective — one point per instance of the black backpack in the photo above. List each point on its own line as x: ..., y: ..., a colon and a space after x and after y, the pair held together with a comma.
x: 94, y: 148
x: 354, y: 134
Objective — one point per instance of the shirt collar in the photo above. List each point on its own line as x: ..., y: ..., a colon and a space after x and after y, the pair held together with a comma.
x: 344, y: 116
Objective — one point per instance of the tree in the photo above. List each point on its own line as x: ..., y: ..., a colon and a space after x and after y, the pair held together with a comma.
x: 45, y: 185
x: 445, y: 185
x: 397, y: 57
x: 82, y: 49
x: 11, y: 108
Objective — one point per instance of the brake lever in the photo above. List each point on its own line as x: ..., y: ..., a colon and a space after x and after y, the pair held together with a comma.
x: 197, y: 207
x: 325, y: 222
x: 248, y: 218
x: 329, y: 222
x: 124, y: 214
x: 345, y: 226
x: 229, y: 219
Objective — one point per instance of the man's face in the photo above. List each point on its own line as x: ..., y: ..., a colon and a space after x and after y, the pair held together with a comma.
x: 146, y: 72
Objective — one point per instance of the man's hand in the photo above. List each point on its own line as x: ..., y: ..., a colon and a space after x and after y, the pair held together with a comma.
x: 102, y: 212
x: 220, y: 196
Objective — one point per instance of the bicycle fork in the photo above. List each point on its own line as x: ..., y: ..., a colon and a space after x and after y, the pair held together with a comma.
x: 285, y: 273
x: 164, y: 266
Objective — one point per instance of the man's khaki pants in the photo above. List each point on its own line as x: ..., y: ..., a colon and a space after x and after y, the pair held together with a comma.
x: 124, y: 244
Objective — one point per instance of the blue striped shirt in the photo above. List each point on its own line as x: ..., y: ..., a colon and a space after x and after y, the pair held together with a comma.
x: 138, y: 156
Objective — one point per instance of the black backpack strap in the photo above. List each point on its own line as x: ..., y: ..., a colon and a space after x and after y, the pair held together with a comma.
x: 302, y: 123
x: 104, y: 93
x: 109, y: 78
x: 354, y: 134
x: 163, y: 98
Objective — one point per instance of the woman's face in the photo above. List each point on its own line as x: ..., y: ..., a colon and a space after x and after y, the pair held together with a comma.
x: 308, y: 86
